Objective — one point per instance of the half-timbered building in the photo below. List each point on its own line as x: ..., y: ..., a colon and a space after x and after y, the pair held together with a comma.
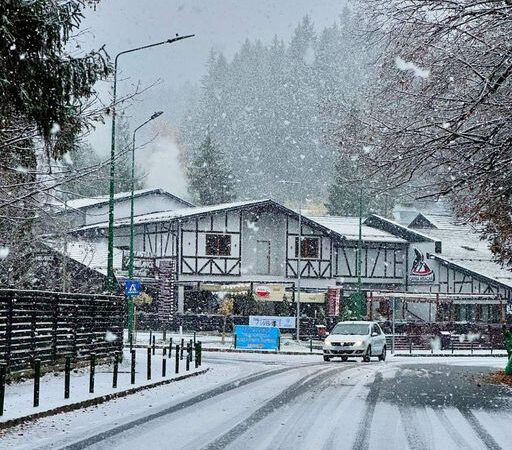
x: 256, y: 246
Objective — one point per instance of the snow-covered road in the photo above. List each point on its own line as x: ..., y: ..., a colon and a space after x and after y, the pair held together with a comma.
x: 284, y: 402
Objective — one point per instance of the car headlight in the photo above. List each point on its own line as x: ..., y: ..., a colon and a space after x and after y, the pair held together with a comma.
x: 358, y: 343
x: 327, y: 344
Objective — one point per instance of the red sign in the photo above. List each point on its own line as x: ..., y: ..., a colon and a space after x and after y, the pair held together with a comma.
x: 262, y: 292
x: 333, y: 301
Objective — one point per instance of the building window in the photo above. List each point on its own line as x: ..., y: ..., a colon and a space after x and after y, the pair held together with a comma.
x: 218, y: 244
x: 310, y: 248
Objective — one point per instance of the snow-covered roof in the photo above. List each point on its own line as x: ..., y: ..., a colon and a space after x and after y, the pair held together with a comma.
x: 439, y: 221
x: 166, y: 216
x: 396, y: 229
x: 463, y: 247
x: 349, y: 228
x: 92, y: 254
x: 88, y: 202
x: 185, y: 213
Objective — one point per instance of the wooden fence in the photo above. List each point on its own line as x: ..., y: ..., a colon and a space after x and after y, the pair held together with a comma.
x: 52, y: 325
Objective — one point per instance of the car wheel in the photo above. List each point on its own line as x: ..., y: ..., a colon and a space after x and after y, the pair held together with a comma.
x: 344, y: 358
x: 327, y: 358
x: 366, y: 357
x: 382, y: 357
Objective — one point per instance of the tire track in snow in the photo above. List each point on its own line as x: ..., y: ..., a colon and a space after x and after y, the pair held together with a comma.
x: 362, y: 441
x: 415, y: 437
x: 451, y: 429
x: 84, y: 443
x: 481, y: 432
x: 289, y: 394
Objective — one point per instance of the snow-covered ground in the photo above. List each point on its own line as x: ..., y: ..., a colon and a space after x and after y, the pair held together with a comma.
x: 19, y: 396
x: 268, y: 401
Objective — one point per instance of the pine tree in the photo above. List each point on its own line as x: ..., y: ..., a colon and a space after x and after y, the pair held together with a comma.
x: 209, y: 176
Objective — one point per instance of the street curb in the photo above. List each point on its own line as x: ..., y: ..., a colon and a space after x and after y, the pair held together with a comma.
x: 232, y: 350
x: 265, y: 352
x: 316, y: 353
x: 429, y: 355
x: 93, y: 401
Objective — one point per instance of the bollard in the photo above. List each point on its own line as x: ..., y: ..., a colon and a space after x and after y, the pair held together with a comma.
x: 181, y: 348
x: 187, y: 364
x: 170, y: 348
x: 132, y: 368
x: 194, y: 338
x: 67, y: 373
x: 149, y: 364
x: 164, y: 366
x: 154, y: 347
x: 189, y: 350
x: 410, y: 346
x: 3, y: 370
x: 92, y: 372
x: 164, y: 335
x: 279, y: 343
x: 196, y: 355
x: 177, y: 368
x: 116, y: 370
x: 37, y: 381
x: 311, y: 346
x: 234, y: 340
x: 200, y: 346
x: 150, y: 337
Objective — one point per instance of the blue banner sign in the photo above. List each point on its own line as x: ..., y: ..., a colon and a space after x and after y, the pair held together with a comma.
x: 262, y: 338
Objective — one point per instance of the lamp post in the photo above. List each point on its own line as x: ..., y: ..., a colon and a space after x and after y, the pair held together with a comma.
x: 359, y: 300
x: 110, y: 256
x: 130, y: 262
x: 299, y: 256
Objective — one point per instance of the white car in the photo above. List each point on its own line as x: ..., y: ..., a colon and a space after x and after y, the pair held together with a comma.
x: 364, y: 339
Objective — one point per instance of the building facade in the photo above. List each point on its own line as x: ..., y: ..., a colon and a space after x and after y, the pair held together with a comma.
x: 257, y: 246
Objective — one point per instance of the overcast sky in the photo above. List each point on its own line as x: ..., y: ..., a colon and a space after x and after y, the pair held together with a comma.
x: 219, y: 24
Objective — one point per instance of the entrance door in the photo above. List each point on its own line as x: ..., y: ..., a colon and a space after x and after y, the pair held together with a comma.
x: 263, y: 257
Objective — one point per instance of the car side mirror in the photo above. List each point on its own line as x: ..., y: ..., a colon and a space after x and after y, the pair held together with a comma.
x: 375, y: 334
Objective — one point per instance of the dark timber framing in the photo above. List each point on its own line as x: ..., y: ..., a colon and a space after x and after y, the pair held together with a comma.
x: 454, y: 277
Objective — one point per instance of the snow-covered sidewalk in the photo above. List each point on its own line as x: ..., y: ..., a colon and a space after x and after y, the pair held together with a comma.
x: 19, y: 396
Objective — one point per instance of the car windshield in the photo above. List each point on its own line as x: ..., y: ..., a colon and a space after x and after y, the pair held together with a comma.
x: 350, y: 328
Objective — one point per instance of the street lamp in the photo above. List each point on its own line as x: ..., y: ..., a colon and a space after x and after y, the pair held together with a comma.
x: 359, y: 305
x: 357, y: 302
x: 110, y: 256
x: 130, y: 262
x: 299, y: 253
